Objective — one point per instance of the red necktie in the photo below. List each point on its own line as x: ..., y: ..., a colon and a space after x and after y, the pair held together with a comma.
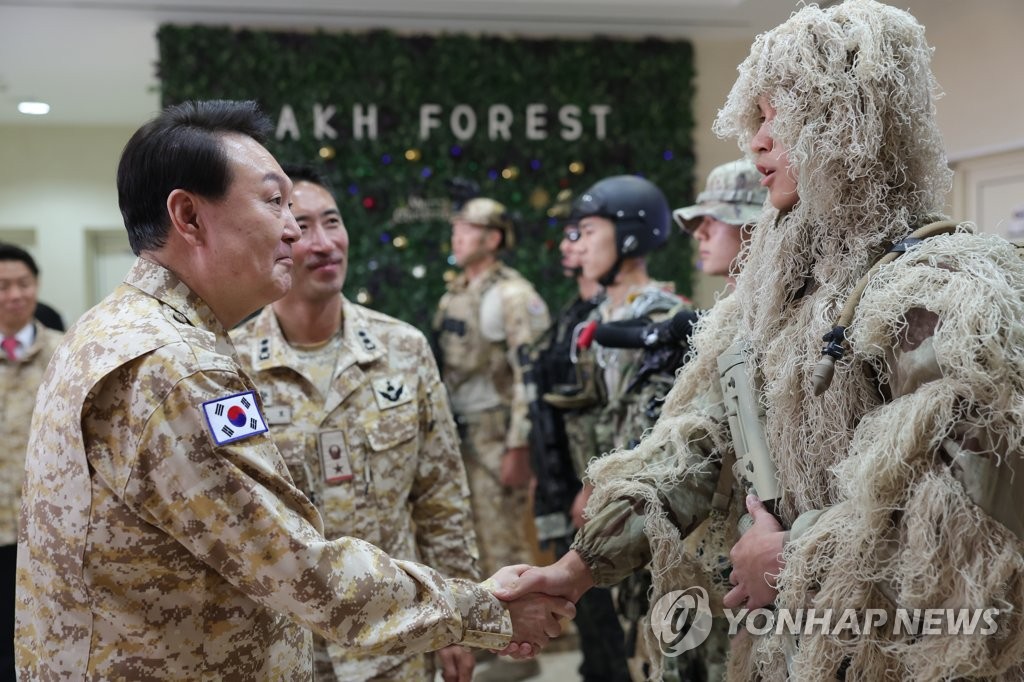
x: 10, y: 344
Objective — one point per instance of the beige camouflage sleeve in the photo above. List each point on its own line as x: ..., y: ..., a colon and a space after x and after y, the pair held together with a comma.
x: 445, y: 535
x: 233, y: 507
x: 526, y: 318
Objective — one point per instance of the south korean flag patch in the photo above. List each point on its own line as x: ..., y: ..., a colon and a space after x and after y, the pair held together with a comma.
x: 234, y: 417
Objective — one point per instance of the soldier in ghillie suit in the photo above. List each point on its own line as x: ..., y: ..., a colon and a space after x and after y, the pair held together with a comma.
x: 896, y: 486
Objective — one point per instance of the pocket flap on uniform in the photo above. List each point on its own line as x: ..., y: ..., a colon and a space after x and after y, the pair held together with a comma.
x: 386, y: 429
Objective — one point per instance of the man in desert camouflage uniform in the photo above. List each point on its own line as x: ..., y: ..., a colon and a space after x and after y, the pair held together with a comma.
x: 487, y: 314
x: 161, y: 534
x: 360, y: 415
x: 26, y: 350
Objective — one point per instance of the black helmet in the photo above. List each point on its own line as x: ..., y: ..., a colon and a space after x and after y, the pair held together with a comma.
x: 635, y: 205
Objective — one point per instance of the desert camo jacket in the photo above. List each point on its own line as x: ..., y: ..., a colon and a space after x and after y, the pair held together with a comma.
x: 149, y: 551
x: 19, y: 381
x: 405, y: 490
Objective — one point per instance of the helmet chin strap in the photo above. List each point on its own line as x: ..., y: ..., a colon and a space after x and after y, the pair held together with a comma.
x: 607, y: 278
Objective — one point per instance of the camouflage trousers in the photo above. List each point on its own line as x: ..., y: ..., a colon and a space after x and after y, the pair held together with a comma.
x: 706, y: 663
x: 499, y: 512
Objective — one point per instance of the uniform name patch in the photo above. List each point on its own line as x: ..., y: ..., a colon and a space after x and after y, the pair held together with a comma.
x: 234, y: 417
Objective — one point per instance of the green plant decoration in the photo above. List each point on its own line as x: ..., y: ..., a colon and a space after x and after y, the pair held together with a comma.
x: 411, y: 113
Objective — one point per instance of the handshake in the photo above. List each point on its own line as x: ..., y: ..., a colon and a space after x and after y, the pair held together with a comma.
x: 536, y: 598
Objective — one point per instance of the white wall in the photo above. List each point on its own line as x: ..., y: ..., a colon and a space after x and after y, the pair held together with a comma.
x: 716, y: 63
x: 60, y: 180
x: 979, y: 51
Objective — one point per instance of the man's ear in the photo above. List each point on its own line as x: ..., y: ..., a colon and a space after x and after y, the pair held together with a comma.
x: 183, y: 208
x: 493, y: 239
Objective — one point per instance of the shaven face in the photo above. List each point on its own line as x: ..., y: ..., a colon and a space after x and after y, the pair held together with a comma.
x: 321, y: 254
x: 18, y: 290
x: 250, y: 229
x: 718, y: 246
x: 472, y: 243
x: 773, y: 161
x: 597, y: 249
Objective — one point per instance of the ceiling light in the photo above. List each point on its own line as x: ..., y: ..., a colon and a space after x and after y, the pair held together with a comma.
x: 34, y: 108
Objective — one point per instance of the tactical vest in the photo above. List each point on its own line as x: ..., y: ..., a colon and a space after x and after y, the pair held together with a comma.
x: 475, y: 369
x: 555, y: 352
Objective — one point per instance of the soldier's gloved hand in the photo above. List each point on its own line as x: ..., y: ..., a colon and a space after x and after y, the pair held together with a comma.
x: 756, y: 560
x: 456, y: 663
x: 515, y: 467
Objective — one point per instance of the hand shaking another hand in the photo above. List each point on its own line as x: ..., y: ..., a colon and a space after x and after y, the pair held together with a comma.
x: 537, y: 598
x: 537, y: 618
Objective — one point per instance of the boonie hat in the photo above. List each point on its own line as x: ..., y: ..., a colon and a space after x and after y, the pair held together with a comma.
x: 733, y: 194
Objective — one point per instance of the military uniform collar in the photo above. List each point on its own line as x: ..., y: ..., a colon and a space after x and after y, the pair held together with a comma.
x: 188, y: 308
x: 493, y: 272
x: 358, y: 334
x: 39, y: 334
x: 359, y: 344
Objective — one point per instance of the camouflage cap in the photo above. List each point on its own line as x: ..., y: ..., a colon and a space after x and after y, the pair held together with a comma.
x: 733, y: 194
x: 488, y: 213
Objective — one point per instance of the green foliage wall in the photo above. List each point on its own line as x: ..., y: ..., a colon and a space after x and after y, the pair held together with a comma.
x: 388, y: 188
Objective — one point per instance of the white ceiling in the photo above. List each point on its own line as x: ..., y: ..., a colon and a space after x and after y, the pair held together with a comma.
x: 93, y: 61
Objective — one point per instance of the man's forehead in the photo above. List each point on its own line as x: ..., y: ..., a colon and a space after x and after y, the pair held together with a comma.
x: 249, y: 156
x: 310, y: 197
x: 594, y: 221
x: 14, y: 269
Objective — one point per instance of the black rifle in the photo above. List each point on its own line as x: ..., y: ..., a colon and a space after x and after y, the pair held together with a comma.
x: 557, y: 483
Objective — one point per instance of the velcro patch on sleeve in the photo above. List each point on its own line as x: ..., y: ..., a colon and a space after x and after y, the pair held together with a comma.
x: 234, y: 417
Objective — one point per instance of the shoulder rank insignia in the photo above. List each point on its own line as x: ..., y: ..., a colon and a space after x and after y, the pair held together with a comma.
x: 234, y: 417
x: 367, y: 342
